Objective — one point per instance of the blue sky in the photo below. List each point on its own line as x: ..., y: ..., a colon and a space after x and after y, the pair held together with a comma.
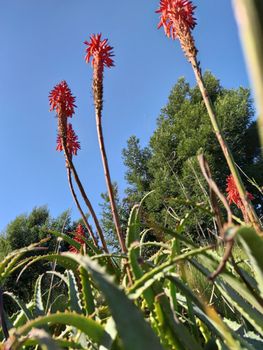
x: 42, y: 44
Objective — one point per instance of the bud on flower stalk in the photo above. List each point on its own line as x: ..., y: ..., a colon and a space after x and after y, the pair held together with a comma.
x: 177, y: 19
x: 234, y: 197
x: 62, y: 101
x: 78, y: 238
x: 101, y: 53
x: 72, y: 142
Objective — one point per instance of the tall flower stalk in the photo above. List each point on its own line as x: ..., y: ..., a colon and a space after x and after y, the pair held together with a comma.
x: 177, y: 19
x: 62, y: 101
x: 100, y: 54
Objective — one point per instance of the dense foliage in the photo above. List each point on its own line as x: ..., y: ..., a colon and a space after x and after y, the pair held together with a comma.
x: 157, y: 286
x: 168, y: 165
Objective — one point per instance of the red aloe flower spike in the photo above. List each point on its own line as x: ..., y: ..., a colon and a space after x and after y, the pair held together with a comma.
x: 61, y: 100
x: 101, y: 53
x: 233, y: 194
x: 78, y: 238
x: 73, y: 144
x: 100, y: 50
x: 175, y: 14
x: 177, y: 19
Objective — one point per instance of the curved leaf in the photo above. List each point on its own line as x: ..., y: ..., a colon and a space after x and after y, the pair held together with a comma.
x: 74, y: 298
x: 134, y: 331
x: 92, y: 329
x: 253, y: 246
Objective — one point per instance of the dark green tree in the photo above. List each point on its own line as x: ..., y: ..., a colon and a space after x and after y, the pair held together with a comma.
x: 25, y: 230
x: 137, y: 175
x: 107, y: 224
x: 169, y: 164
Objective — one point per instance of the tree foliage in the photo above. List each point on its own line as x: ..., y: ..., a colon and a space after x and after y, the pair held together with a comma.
x: 168, y: 165
x: 30, y: 228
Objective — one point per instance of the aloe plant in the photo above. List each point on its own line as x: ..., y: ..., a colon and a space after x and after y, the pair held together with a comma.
x: 158, y: 311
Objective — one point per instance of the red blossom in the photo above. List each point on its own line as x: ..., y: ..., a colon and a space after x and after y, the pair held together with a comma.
x: 73, y: 144
x: 233, y: 194
x: 100, y: 50
x: 61, y: 99
x: 78, y: 238
x: 176, y: 15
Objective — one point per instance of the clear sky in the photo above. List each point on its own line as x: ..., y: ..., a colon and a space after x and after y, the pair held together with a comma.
x: 41, y: 43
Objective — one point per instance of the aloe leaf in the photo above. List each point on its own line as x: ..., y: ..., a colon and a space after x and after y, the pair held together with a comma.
x: 40, y: 337
x: 132, y: 328
x: 75, y: 244
x: 64, y: 261
x: 236, y: 298
x: 67, y: 239
x: 19, y: 318
x: 39, y: 309
x: 132, y: 242
x: 92, y: 329
x: 86, y: 291
x: 209, y: 262
x: 218, y: 328
x: 138, y: 273
x: 20, y: 304
x: 253, y: 339
x: 59, y: 275
x: 63, y: 343
x: 74, y: 297
x: 204, y: 312
x: 112, y: 331
x: 111, y: 265
x: 7, y: 265
x: 158, y: 272
x: 178, y: 334
x: 133, y: 229
x: 253, y: 246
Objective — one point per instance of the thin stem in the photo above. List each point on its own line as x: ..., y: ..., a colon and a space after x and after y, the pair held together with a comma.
x: 114, y: 211
x: 88, y: 227
x: 224, y: 146
x: 83, y: 193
